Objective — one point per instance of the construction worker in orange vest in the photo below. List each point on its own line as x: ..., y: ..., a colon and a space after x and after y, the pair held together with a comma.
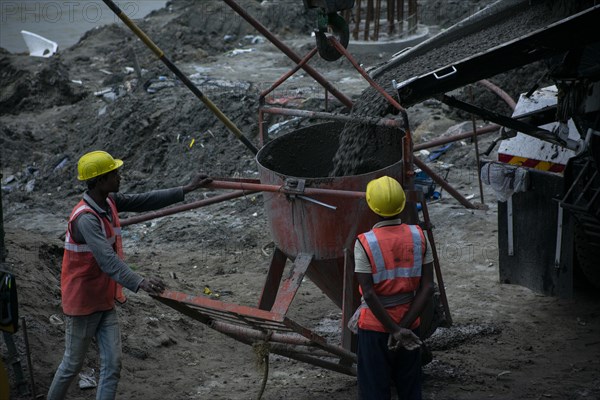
x: 394, y: 268
x: 94, y: 273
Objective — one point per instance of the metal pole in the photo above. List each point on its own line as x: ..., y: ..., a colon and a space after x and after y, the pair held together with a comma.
x: 2, y: 249
x: 282, y: 189
x: 436, y: 261
x: 289, y: 52
x: 29, y: 363
x: 499, y: 92
x: 476, y: 143
x: 391, y: 123
x: 440, y: 181
x: 438, y: 142
x: 174, y: 210
x: 334, y: 42
x: 368, y: 18
x: 377, y: 12
x: 290, y: 73
x: 159, y: 53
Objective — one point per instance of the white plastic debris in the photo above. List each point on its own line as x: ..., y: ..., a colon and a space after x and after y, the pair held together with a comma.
x: 38, y: 45
x: 235, y: 52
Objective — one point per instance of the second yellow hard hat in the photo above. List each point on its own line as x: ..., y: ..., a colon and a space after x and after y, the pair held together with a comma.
x: 385, y: 196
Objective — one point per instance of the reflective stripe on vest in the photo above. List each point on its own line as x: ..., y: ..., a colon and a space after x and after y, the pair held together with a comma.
x: 382, y: 273
x: 85, y: 287
x: 396, y: 254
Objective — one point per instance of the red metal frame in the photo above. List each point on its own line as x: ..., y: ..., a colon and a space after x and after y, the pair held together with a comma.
x: 268, y: 322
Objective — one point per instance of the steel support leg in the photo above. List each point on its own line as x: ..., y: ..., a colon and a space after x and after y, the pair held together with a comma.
x: 269, y: 293
x: 292, y: 283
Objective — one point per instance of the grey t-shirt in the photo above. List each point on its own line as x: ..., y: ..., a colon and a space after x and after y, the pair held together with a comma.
x: 361, y: 260
x: 87, y: 229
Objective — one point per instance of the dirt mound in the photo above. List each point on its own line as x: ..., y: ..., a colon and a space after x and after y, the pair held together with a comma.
x: 29, y: 84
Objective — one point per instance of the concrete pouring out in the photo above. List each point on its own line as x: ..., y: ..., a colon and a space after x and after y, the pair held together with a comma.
x: 109, y: 92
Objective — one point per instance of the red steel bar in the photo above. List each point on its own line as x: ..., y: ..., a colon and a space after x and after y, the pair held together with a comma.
x: 185, y: 207
x: 440, y: 181
x: 498, y: 91
x: 290, y: 73
x: 334, y: 42
x: 274, y: 188
x: 392, y: 123
x: 449, y: 139
x: 261, y: 130
x: 289, y: 52
x: 251, y: 333
x: 288, y: 338
x: 436, y: 261
x: 286, y: 351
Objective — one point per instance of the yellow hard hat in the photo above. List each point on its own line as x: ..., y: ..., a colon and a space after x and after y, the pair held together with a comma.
x: 385, y: 196
x: 96, y: 163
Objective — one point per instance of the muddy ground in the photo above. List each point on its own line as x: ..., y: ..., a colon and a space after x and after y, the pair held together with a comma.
x: 506, y: 342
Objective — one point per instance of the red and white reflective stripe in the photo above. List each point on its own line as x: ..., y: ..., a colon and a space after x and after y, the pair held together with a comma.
x: 84, y: 248
x: 530, y: 163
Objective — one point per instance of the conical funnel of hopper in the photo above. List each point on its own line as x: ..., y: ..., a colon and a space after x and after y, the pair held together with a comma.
x: 302, y: 224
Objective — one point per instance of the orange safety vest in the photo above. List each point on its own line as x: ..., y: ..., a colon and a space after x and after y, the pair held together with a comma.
x: 85, y: 287
x: 396, y: 255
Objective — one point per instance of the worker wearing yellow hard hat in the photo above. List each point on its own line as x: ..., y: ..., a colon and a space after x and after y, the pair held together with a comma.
x: 394, y: 269
x: 93, y: 272
x: 96, y: 163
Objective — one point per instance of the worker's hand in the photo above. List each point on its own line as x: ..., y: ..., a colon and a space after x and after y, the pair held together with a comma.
x: 404, y: 338
x: 153, y: 286
x: 197, y: 182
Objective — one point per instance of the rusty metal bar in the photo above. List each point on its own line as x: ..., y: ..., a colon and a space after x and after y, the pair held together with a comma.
x: 289, y: 52
x: 295, y: 339
x: 252, y: 333
x: 400, y: 10
x: 334, y: 42
x: 440, y: 181
x: 333, y: 366
x: 185, y: 207
x: 289, y: 287
x: 287, y: 352
x: 388, y: 122
x: 2, y: 248
x: 281, y: 189
x: 239, y: 332
x: 499, y: 92
x: 261, y: 130
x: 357, y: 26
x: 377, y: 12
x: 476, y: 143
x: 289, y: 73
x: 219, y: 306
x: 350, y: 300
x: 368, y: 20
x: 274, y: 274
x: 438, y: 142
x: 436, y: 260
x: 319, y: 341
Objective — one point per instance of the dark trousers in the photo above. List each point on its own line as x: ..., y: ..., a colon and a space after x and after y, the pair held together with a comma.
x: 379, y: 367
